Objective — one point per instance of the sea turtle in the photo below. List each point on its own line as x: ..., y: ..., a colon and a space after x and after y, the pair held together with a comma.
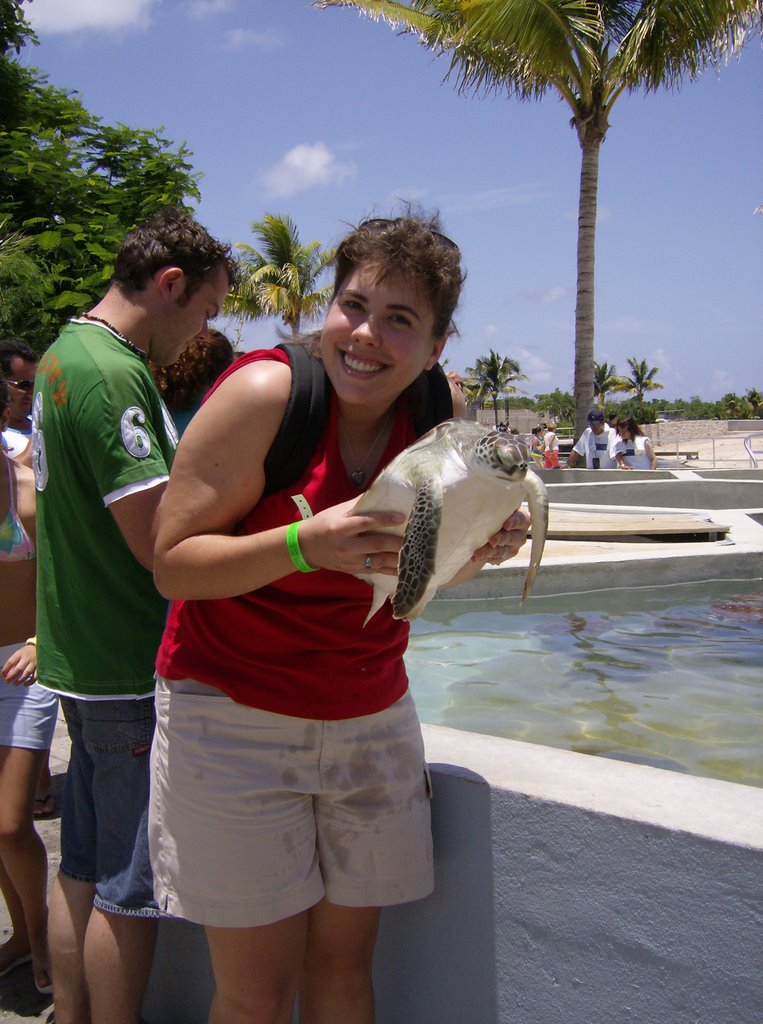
x: 457, y: 484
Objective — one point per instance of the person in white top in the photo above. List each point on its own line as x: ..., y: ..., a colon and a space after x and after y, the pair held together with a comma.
x: 593, y: 444
x: 631, y: 448
x: 550, y: 448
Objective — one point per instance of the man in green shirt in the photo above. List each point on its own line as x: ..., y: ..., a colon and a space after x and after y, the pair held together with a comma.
x: 102, y: 447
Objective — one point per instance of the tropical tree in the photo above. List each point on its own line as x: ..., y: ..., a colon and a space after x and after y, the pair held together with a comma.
x: 280, y: 278
x: 557, y: 405
x: 491, y: 376
x: 641, y: 380
x: 74, y: 186
x: 735, y: 408
x: 589, y: 54
x: 606, y: 379
x: 755, y: 398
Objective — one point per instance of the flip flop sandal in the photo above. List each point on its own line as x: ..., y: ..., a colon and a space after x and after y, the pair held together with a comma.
x: 18, y: 962
x: 44, y: 806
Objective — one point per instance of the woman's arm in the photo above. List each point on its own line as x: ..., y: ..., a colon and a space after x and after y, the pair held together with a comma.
x: 649, y: 449
x: 218, y: 476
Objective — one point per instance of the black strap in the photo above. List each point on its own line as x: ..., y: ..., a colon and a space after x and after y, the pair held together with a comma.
x: 307, y: 409
x: 303, y: 420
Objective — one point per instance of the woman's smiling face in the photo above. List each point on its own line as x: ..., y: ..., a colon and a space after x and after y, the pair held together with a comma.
x: 377, y: 338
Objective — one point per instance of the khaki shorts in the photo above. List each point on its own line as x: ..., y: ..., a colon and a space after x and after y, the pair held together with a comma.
x: 256, y: 816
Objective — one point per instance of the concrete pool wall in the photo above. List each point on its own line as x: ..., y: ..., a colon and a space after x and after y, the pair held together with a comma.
x: 570, y: 889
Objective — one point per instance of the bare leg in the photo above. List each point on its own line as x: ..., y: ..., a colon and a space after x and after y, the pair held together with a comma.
x: 25, y: 863
x: 18, y: 944
x: 119, y: 950
x: 336, y: 984
x: 71, y: 904
x: 257, y: 971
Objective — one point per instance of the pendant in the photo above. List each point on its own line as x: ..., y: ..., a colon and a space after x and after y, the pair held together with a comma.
x: 358, y: 477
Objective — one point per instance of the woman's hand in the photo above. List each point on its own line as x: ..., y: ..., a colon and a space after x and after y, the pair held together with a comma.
x: 507, y: 542
x: 21, y: 668
x: 336, y: 539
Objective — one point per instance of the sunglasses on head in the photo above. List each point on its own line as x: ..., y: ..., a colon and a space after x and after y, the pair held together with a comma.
x: 22, y: 385
x: 385, y: 222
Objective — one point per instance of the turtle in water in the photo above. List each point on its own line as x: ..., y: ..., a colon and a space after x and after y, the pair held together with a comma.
x: 456, y: 485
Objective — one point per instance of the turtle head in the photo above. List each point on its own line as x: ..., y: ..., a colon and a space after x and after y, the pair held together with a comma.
x: 502, y: 456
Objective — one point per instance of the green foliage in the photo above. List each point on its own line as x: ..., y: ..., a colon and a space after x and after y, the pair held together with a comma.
x: 606, y: 379
x: 74, y: 186
x: 557, y: 405
x: 280, y: 278
x: 491, y: 377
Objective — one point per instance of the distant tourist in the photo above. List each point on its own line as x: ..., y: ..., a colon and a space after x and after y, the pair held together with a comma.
x: 632, y: 449
x: 593, y: 444
x: 550, y: 448
x: 184, y: 384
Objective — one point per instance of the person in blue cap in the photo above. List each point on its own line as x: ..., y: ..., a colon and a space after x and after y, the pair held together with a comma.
x: 593, y: 444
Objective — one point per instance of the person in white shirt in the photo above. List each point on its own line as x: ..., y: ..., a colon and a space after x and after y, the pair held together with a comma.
x: 593, y: 444
x: 631, y: 448
x: 18, y: 364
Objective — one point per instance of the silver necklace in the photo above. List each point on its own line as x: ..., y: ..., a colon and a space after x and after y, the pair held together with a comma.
x: 112, y: 328
x: 359, y: 475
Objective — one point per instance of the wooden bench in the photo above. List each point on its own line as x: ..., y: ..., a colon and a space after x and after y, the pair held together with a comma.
x: 614, y: 523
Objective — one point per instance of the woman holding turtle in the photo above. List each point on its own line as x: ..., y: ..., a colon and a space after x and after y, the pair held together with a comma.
x: 290, y: 795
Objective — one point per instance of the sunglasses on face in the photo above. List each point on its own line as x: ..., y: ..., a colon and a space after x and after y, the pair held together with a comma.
x: 381, y: 223
x: 21, y: 385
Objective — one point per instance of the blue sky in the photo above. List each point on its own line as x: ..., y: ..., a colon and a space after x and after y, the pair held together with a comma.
x: 329, y: 117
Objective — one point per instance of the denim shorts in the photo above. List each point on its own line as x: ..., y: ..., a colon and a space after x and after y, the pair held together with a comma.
x: 27, y: 713
x: 104, y: 810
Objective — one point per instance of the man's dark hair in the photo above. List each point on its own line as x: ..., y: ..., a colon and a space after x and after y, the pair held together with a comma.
x: 171, y: 238
x: 9, y: 348
x: 4, y: 396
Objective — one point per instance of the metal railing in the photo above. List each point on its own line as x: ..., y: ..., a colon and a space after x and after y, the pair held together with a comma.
x: 753, y: 452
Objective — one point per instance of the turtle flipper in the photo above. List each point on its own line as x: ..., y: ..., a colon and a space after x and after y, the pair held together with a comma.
x: 416, y: 563
x: 537, y: 502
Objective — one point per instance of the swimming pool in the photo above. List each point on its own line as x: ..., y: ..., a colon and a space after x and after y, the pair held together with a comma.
x: 668, y: 676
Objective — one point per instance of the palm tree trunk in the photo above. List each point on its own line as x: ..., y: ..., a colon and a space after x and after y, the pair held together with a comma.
x: 584, y: 308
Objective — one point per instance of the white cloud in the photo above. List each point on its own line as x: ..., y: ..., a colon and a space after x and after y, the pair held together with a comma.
x: 83, y: 15
x: 490, y: 199
x: 250, y: 39
x: 199, y: 9
x: 308, y: 165
x: 490, y: 331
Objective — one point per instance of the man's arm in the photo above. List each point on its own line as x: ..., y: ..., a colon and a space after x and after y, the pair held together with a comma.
x: 135, y: 515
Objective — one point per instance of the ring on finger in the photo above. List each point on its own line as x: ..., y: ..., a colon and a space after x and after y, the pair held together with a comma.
x: 368, y: 564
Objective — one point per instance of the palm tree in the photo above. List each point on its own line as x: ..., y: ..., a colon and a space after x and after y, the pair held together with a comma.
x: 280, y: 278
x: 606, y: 379
x: 641, y: 379
x: 492, y: 376
x: 755, y: 398
x: 589, y: 54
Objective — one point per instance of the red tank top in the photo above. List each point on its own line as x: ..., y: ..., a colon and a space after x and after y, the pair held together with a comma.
x: 297, y: 646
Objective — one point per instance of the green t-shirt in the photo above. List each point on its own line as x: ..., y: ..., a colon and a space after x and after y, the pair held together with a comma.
x: 98, y: 427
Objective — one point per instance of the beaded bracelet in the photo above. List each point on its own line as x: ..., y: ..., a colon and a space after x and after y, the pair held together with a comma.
x: 292, y: 543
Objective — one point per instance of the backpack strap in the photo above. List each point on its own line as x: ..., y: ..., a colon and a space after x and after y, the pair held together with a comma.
x: 303, y: 421
x: 432, y: 402
x: 307, y: 410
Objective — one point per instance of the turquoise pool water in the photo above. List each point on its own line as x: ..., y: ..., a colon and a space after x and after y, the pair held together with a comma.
x: 666, y: 676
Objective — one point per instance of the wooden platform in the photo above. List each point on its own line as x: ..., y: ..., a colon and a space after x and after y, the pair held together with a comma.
x: 628, y: 522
